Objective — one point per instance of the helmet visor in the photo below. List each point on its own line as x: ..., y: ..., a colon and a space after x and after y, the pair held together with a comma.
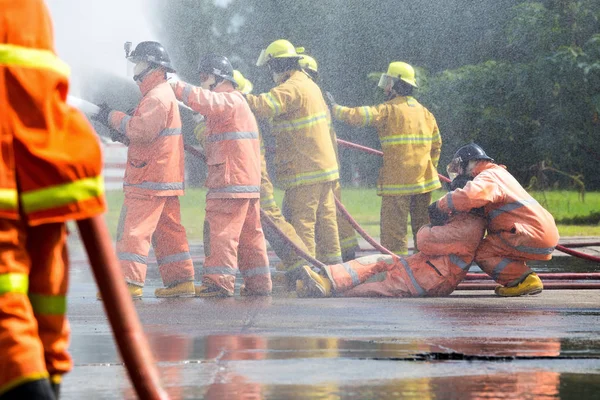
x: 454, y: 168
x: 386, y: 82
x: 262, y: 58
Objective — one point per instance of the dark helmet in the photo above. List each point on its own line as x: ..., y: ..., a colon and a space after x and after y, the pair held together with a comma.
x: 152, y: 52
x: 471, y: 152
x: 217, y: 65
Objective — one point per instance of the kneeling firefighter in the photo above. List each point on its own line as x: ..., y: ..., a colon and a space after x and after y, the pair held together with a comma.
x: 232, y: 228
x: 446, y: 252
x: 154, y: 178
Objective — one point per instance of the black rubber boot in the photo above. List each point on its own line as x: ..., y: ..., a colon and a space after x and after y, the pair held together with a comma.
x: 37, y: 390
x: 56, y: 390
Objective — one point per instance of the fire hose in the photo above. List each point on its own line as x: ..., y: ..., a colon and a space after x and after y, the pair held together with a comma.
x: 559, y: 247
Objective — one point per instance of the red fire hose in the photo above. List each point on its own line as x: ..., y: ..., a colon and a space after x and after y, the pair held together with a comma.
x: 123, y: 317
x: 547, y: 285
x: 550, y: 276
x: 369, y: 150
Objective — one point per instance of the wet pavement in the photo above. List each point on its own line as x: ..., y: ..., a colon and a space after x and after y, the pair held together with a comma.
x: 471, y: 345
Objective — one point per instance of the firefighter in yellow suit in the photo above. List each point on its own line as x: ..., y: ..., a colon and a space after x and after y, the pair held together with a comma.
x: 348, y: 239
x: 411, y: 144
x: 305, y: 161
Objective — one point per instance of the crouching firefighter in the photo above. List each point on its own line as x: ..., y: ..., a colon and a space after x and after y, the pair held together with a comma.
x: 446, y: 251
x: 232, y: 229
x: 154, y: 178
x: 519, y: 228
x: 50, y: 172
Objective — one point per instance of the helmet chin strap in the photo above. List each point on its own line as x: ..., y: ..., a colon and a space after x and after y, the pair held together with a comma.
x: 140, y: 77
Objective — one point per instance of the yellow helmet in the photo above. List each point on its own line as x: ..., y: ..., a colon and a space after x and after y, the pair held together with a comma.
x: 278, y: 49
x: 307, y: 62
x: 398, y: 70
x: 243, y: 84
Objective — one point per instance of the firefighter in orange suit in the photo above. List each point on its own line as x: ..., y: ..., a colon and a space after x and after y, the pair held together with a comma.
x: 154, y: 178
x: 446, y: 253
x: 348, y: 239
x: 232, y: 228
x: 50, y: 173
x: 305, y: 161
x: 519, y: 228
x: 411, y: 145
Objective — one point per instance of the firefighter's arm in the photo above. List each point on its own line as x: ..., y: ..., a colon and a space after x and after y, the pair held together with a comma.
x: 145, y: 125
x: 279, y: 100
x: 436, y: 145
x: 479, y: 192
x: 204, y: 101
x: 360, y: 116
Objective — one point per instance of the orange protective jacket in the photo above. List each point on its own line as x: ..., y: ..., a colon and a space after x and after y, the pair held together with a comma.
x: 231, y: 140
x: 512, y: 213
x: 48, y: 146
x: 155, y: 158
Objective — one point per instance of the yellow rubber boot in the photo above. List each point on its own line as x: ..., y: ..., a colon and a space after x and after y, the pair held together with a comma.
x: 135, y: 291
x: 530, y: 286
x: 315, y: 285
x: 183, y: 289
x: 208, y: 290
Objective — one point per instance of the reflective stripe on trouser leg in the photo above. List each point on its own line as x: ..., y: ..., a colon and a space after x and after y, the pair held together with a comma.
x: 225, y: 218
x: 284, y: 251
x: 141, y: 216
x: 500, y: 261
x: 48, y: 285
x: 22, y: 357
x: 252, y: 252
x: 394, y: 220
x: 326, y: 228
x: 171, y: 246
x: 352, y: 273
x: 419, y: 213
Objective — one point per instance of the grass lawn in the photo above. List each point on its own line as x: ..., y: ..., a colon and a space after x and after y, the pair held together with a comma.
x: 364, y: 205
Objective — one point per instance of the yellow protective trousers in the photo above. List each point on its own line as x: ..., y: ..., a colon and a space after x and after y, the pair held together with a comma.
x: 34, y: 331
x: 347, y: 234
x: 311, y: 209
x: 394, y: 220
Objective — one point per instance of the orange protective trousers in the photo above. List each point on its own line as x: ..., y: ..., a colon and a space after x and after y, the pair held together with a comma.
x: 153, y: 220
x: 34, y: 331
x: 232, y: 231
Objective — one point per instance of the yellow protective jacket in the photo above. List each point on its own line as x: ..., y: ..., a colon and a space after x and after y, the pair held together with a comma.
x: 304, y: 151
x: 410, y: 140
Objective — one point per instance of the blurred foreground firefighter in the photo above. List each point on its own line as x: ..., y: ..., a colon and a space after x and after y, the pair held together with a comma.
x: 447, y: 250
x: 232, y: 229
x: 519, y: 228
x: 348, y: 239
x: 305, y: 161
x: 50, y: 173
x: 411, y: 144
x: 154, y: 178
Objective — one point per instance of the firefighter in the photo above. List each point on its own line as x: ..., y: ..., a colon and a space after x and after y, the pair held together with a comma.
x: 348, y: 239
x: 305, y: 161
x: 232, y: 228
x: 411, y: 145
x: 447, y: 251
x: 519, y: 228
x: 154, y: 178
x: 50, y: 173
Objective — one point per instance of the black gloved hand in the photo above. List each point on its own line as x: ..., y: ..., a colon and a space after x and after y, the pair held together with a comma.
x: 330, y: 100
x: 117, y: 136
x: 436, y: 216
x: 102, y: 115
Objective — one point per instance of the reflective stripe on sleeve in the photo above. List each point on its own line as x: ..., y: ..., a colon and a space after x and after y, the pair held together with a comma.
x: 61, y: 195
x: 123, y: 124
x: 13, y: 282
x: 273, y: 104
x: 187, y: 89
x: 218, y: 137
x: 366, y: 116
x: 47, y: 304
x: 170, y: 132
x: 450, y: 202
x: 510, y: 207
x: 26, y: 57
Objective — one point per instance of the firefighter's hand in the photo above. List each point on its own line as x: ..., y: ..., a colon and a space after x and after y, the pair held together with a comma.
x: 437, y: 216
x: 173, y: 83
x: 330, y: 100
x: 103, y: 114
x: 117, y: 136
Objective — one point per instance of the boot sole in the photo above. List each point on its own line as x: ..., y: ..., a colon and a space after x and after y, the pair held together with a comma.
x: 529, y: 293
x: 187, y: 295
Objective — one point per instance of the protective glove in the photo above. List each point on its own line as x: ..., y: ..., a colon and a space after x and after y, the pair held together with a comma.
x: 436, y: 216
x: 330, y: 100
x: 117, y: 136
x: 102, y: 115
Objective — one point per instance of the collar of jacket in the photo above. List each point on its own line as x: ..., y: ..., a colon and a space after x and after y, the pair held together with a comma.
x: 483, y: 165
x: 399, y: 99
x: 152, y: 80
x: 226, y: 86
